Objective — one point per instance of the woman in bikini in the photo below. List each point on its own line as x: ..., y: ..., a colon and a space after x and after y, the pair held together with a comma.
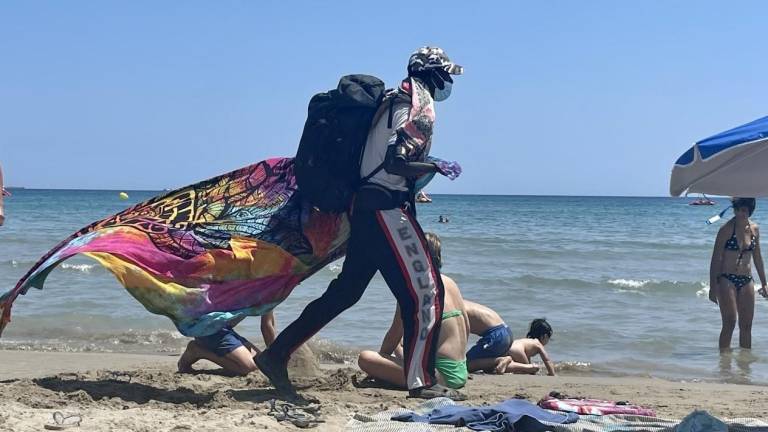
x: 730, y: 273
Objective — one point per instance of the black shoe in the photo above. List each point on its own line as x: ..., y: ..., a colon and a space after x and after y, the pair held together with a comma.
x: 436, y: 391
x: 277, y: 373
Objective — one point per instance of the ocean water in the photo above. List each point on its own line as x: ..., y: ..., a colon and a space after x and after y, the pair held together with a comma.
x: 623, y: 281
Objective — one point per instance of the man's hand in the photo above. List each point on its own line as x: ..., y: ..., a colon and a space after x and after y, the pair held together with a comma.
x: 2, y: 215
x: 763, y: 291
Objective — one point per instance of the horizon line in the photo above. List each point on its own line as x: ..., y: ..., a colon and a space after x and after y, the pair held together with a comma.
x: 432, y: 194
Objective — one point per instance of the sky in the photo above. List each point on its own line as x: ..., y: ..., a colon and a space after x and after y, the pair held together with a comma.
x: 558, y: 97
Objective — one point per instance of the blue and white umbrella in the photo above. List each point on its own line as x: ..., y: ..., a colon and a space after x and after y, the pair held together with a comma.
x: 732, y: 163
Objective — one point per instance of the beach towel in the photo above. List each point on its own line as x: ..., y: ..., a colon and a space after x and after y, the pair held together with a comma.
x: 382, y: 421
x: 210, y: 253
x: 593, y: 406
x: 635, y: 423
x: 701, y: 421
x: 513, y: 414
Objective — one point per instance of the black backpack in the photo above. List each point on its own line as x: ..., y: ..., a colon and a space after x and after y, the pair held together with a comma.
x: 327, y: 164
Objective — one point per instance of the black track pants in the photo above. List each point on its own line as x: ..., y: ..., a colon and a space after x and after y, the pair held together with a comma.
x: 392, y: 242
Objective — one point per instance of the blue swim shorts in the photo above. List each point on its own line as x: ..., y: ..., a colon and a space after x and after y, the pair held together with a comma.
x: 223, y: 342
x: 494, y: 342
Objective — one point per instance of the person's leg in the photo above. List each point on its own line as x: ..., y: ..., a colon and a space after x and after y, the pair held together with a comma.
x: 514, y: 367
x: 384, y: 368
x: 726, y: 299
x: 268, y: 328
x: 189, y: 357
x: 493, y: 343
x: 745, y: 305
x: 408, y: 269
x: 239, y: 361
x: 478, y: 358
x: 342, y: 293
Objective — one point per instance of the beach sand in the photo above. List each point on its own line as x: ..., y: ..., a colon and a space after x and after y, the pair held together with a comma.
x: 121, y: 392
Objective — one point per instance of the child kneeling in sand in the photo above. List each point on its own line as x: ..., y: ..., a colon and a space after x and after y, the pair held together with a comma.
x: 450, y: 364
x: 496, y: 352
x: 227, y: 349
x: 495, y: 337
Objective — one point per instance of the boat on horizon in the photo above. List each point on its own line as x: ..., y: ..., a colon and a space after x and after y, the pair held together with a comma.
x: 703, y: 201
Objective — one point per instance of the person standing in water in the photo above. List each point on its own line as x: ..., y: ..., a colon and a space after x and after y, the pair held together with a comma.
x: 3, y: 194
x: 385, y: 235
x: 730, y: 273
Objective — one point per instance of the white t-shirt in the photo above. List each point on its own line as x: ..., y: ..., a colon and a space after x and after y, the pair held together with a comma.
x: 380, y: 137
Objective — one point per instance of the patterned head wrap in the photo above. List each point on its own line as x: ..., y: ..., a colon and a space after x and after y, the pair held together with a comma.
x: 429, y: 58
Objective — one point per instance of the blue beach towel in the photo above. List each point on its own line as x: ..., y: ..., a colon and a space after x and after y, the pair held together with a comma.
x: 513, y: 414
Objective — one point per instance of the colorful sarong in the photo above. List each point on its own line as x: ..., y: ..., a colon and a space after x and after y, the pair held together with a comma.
x: 207, y: 254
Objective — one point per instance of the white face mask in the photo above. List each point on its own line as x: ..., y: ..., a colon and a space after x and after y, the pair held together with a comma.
x: 441, y: 95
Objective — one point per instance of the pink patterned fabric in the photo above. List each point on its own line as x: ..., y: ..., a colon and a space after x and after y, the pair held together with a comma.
x: 416, y: 134
x: 594, y: 407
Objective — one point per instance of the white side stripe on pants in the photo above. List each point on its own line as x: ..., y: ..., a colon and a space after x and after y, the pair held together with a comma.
x: 417, y: 271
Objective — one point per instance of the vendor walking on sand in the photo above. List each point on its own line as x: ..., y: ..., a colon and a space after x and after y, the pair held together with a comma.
x: 385, y: 236
x: 730, y: 273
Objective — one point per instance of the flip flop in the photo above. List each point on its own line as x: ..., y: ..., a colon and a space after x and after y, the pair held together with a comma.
x: 370, y: 382
x: 297, y: 417
x: 61, y: 422
x: 436, y: 391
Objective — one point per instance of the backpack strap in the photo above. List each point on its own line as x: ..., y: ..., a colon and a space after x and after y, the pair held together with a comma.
x: 391, y: 112
x: 390, y: 98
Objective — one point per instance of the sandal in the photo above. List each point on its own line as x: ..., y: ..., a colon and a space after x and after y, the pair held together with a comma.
x: 436, y: 391
x: 297, y: 417
x: 371, y: 382
x: 61, y: 422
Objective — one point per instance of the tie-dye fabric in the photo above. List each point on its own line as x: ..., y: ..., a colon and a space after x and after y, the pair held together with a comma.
x: 204, y: 255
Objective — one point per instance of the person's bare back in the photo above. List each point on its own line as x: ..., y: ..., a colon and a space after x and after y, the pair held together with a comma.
x: 481, y: 317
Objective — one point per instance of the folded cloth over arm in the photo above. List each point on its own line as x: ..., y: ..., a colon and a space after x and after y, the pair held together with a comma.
x: 513, y: 414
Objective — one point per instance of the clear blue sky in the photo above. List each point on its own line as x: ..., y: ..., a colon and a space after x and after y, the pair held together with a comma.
x: 559, y: 97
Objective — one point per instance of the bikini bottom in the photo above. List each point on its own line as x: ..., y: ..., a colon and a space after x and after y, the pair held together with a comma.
x: 737, y: 280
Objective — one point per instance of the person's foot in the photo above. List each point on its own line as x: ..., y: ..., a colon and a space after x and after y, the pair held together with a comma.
x: 501, y: 365
x: 276, y: 371
x: 435, y: 391
x: 187, y: 359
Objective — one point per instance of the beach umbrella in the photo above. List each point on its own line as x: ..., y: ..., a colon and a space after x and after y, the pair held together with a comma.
x: 732, y: 163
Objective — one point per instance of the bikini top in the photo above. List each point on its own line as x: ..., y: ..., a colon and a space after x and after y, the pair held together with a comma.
x: 733, y: 242
x: 451, y: 314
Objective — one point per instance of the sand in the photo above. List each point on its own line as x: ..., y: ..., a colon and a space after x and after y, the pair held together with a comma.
x: 120, y: 392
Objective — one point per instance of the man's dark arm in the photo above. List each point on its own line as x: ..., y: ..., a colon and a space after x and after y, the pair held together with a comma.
x: 396, y: 163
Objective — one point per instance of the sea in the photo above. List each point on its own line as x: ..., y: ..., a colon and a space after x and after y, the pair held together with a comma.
x: 622, y: 280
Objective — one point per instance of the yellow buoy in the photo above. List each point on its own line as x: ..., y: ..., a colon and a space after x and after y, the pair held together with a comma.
x: 123, y: 195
